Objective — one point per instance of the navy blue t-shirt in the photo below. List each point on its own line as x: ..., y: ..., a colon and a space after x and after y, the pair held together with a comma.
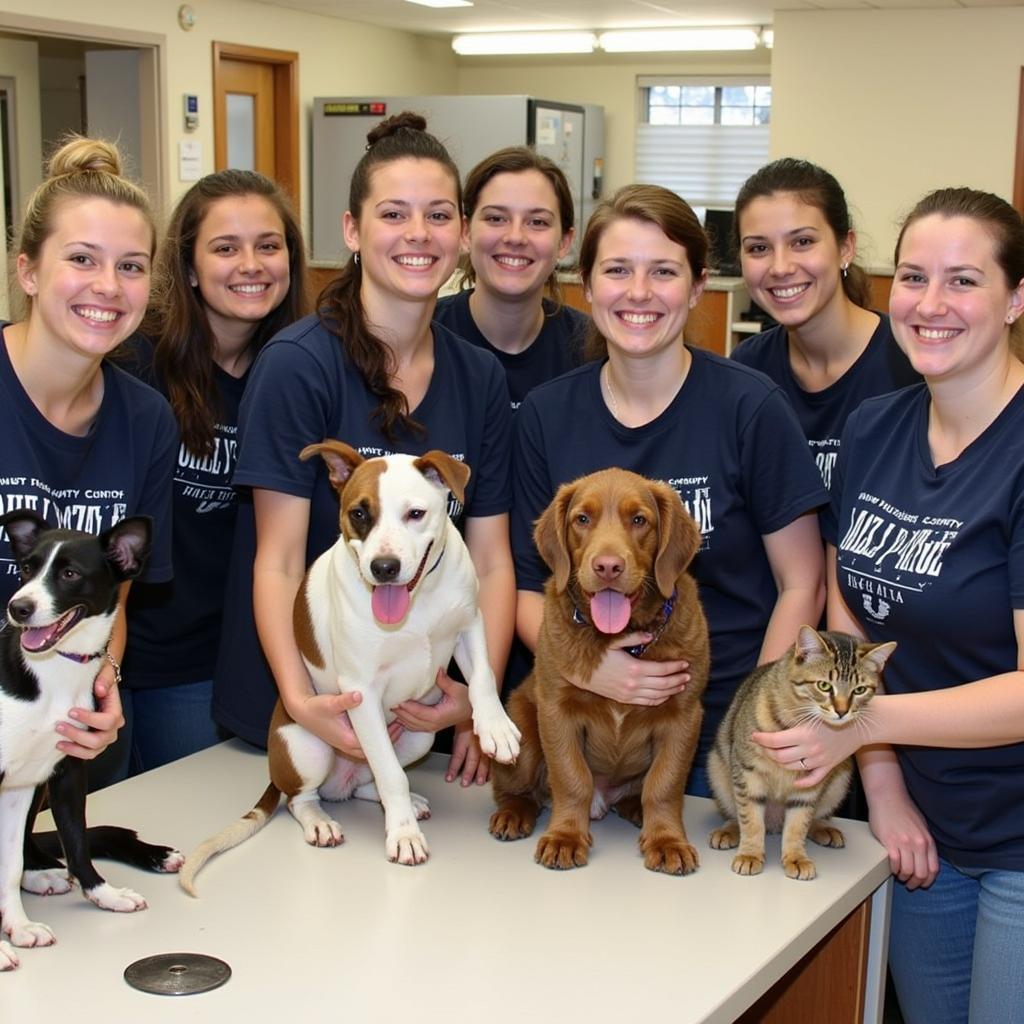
x: 303, y: 389
x: 933, y: 558
x: 121, y: 467
x: 728, y: 443
x: 174, y: 628
x: 557, y: 349
x: 881, y: 368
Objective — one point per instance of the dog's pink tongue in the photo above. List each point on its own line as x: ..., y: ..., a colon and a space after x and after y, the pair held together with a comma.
x: 390, y: 602
x: 610, y: 611
x: 38, y: 637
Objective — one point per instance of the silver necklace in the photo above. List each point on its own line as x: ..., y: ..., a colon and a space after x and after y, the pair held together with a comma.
x: 611, y: 393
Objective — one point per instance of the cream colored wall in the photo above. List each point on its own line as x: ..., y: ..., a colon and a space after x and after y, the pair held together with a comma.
x: 336, y: 58
x: 896, y: 103
x: 608, y: 81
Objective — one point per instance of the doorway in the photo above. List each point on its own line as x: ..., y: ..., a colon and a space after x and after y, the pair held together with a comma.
x: 256, y: 112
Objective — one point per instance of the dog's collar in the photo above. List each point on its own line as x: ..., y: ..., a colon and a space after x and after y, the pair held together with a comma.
x: 84, y: 659
x: 638, y: 650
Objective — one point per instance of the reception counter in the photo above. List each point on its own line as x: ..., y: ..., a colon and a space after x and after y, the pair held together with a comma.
x: 478, y: 933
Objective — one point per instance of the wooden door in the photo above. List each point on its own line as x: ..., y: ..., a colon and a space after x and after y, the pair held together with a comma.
x: 256, y: 112
x: 248, y: 117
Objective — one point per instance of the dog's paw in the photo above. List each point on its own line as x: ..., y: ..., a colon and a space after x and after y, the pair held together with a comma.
x: 826, y: 835
x: 562, y: 850
x: 725, y: 838
x: 30, y: 934
x: 8, y: 958
x: 406, y: 845
x: 121, y: 901
x: 51, y: 882
x: 672, y: 855
x: 497, y: 733
x: 171, y: 863
x: 799, y: 866
x: 515, y: 821
x: 323, y: 832
x: 421, y: 805
x: 748, y: 863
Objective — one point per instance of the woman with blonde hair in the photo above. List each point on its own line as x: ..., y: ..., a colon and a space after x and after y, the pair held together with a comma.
x: 85, y: 444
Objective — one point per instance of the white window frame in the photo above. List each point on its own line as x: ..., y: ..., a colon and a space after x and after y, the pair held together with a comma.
x: 705, y: 164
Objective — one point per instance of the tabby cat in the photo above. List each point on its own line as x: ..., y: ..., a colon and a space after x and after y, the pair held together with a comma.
x: 826, y: 677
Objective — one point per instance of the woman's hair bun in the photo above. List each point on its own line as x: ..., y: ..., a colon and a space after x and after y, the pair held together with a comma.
x: 80, y: 154
x: 394, y: 124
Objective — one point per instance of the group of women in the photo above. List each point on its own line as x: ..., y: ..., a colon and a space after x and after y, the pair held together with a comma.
x: 900, y: 435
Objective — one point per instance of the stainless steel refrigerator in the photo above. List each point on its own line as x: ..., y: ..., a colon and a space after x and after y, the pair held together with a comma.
x: 471, y: 127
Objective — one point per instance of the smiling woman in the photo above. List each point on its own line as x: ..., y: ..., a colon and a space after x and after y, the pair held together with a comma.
x: 229, y: 275
x: 721, y: 435
x: 370, y: 369
x: 84, y: 443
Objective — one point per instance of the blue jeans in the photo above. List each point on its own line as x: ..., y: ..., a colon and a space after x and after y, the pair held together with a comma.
x: 956, y: 949
x: 161, y: 725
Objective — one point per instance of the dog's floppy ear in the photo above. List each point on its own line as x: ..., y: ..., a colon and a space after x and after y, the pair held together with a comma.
x: 23, y: 529
x: 443, y: 469
x: 549, y: 534
x: 126, y: 546
x: 678, y: 537
x: 340, y: 458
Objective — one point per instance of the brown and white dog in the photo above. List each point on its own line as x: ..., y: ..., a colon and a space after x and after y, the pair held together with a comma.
x: 380, y: 611
x: 618, y: 546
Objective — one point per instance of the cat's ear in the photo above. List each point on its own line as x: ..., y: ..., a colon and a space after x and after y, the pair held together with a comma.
x: 876, y: 655
x: 809, y: 644
x: 679, y: 537
x: 550, y: 536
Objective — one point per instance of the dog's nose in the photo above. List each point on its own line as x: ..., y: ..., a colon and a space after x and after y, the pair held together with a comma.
x: 21, y: 609
x: 608, y: 567
x: 386, y: 568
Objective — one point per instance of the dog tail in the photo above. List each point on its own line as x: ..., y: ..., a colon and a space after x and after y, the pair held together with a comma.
x: 234, y: 835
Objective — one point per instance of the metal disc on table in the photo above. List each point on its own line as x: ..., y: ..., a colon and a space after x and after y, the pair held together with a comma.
x: 177, y: 974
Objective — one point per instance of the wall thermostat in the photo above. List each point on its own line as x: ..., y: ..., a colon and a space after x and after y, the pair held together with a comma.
x: 191, y: 110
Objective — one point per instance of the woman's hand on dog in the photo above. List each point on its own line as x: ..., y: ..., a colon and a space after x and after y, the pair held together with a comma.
x: 629, y: 680
x: 326, y: 715
x: 99, y: 727
x: 467, y: 761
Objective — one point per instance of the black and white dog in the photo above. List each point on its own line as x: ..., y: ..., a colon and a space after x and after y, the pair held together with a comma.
x: 52, y: 645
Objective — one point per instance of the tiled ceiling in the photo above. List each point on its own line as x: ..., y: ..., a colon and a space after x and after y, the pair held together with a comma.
x: 497, y: 15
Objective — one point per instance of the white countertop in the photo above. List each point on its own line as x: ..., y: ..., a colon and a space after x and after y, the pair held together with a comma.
x: 480, y: 932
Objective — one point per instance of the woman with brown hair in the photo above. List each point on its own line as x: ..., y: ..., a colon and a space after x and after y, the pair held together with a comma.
x: 519, y: 224
x: 371, y: 369
x: 229, y: 275
x: 723, y: 436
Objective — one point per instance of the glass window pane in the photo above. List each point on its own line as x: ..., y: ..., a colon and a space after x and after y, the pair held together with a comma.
x: 737, y: 95
x: 762, y: 115
x: 664, y: 95
x: 664, y: 115
x: 763, y: 95
x: 737, y: 115
x: 698, y: 95
x: 697, y: 115
x: 241, y: 131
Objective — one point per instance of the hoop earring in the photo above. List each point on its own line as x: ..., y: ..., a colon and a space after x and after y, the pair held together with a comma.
x: 355, y: 257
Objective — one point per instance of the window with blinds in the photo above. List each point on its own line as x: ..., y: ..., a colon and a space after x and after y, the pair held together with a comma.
x: 702, y: 138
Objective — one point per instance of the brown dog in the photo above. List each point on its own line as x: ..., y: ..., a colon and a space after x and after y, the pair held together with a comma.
x: 618, y: 546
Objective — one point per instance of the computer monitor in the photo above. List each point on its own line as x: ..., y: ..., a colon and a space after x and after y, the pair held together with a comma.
x: 723, y: 258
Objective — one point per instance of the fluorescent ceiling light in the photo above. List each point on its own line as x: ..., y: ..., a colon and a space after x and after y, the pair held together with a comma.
x: 492, y: 43
x: 682, y: 39
x: 441, y: 3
